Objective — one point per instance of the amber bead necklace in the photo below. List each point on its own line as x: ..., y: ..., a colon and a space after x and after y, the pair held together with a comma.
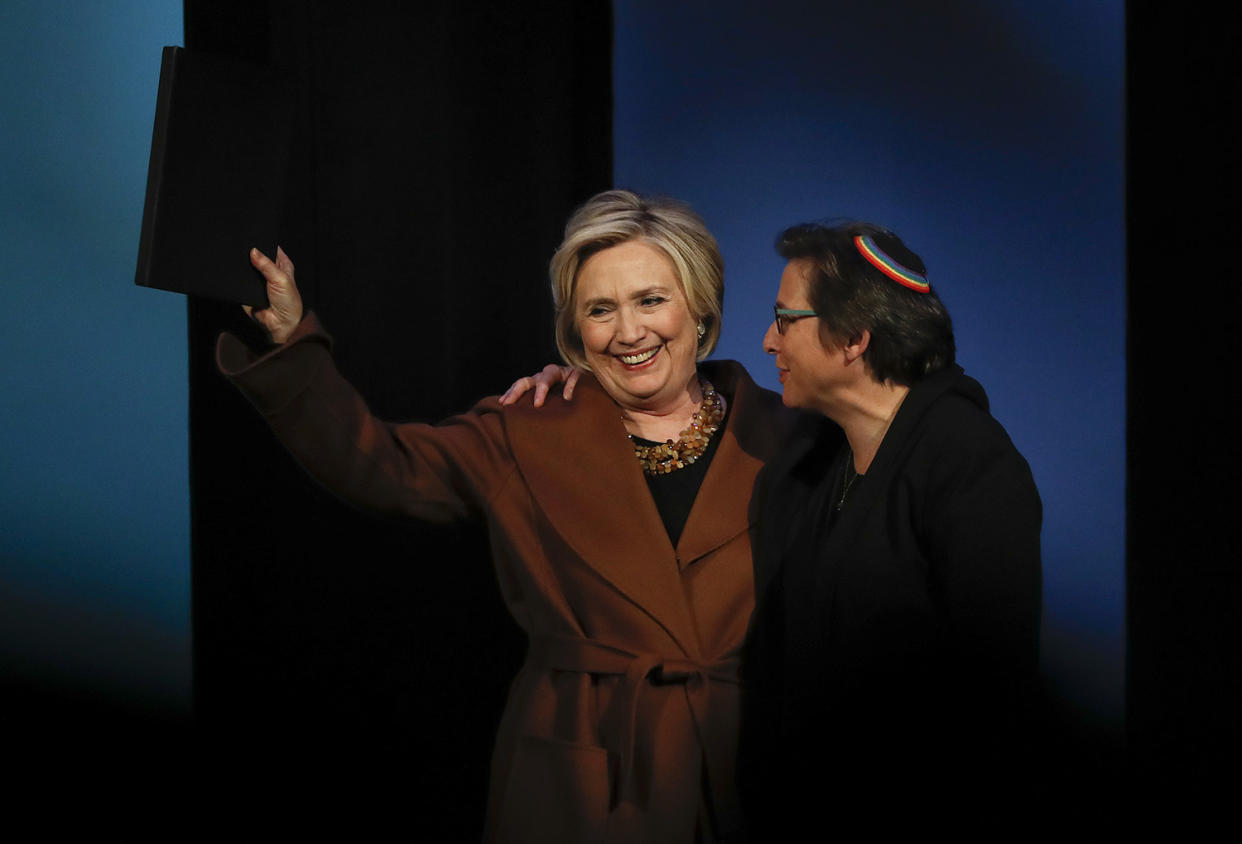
x: 691, y: 443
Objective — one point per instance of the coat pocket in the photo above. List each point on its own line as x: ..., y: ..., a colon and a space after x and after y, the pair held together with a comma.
x: 556, y: 792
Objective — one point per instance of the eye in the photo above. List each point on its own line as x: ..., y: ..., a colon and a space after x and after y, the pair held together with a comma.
x: 653, y: 299
x: 597, y: 310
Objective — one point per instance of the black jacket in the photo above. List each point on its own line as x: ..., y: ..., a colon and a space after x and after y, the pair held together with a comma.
x: 902, y: 642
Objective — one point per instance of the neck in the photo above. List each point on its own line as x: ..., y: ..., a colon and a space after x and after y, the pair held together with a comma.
x: 864, y: 414
x: 667, y: 421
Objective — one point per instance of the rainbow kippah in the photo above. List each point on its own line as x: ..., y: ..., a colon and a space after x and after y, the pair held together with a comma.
x: 885, y: 264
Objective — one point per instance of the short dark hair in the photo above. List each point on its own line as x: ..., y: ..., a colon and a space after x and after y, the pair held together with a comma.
x: 911, y: 332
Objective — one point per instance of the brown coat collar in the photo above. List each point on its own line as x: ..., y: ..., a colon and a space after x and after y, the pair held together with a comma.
x: 579, y: 467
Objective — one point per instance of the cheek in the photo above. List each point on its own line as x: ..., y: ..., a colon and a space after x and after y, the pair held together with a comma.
x: 595, y: 337
x: 680, y: 326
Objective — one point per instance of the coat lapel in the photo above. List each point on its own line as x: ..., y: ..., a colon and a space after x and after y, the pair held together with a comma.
x: 722, y: 508
x: 580, y: 468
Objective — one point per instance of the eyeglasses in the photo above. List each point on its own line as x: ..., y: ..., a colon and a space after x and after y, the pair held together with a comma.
x: 784, y: 316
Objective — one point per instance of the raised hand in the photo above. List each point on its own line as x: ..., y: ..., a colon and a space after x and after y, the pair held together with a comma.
x: 542, y: 381
x: 284, y: 308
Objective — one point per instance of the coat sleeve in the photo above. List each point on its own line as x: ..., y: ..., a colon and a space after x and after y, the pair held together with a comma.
x: 981, y: 528
x: 443, y: 472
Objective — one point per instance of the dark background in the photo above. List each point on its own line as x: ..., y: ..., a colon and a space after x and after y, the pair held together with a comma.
x: 440, y: 152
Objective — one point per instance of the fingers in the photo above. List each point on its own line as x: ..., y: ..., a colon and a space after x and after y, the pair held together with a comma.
x: 263, y: 317
x: 260, y: 316
x: 542, y: 382
x: 516, y: 391
x: 272, y: 274
x: 284, y: 310
x: 278, y: 272
x: 571, y: 381
x: 259, y: 260
x: 283, y: 262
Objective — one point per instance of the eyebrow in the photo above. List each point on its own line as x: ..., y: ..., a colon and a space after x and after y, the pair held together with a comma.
x: 598, y: 300
x: 655, y: 288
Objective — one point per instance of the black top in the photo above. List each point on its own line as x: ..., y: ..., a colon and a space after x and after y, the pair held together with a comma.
x: 796, y: 575
x: 675, y: 492
x: 893, y: 641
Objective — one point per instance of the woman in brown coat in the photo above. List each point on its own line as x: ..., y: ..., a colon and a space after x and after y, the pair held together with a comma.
x: 626, y: 560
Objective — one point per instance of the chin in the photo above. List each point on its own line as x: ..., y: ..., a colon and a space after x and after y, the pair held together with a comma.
x: 651, y: 380
x: 791, y: 400
x: 643, y: 392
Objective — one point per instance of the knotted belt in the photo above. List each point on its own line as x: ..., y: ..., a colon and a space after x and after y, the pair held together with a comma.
x: 590, y: 656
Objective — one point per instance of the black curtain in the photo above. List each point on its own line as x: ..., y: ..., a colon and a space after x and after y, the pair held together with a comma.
x: 1184, y: 571
x: 440, y: 149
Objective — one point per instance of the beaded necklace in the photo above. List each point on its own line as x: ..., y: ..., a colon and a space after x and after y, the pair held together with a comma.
x: 692, y: 442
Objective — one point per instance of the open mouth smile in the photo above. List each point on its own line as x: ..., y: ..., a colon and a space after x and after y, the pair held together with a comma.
x: 639, y: 358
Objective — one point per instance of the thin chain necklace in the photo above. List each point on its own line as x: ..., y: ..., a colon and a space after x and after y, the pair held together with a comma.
x: 690, y: 444
x: 848, y: 477
x: 850, y: 474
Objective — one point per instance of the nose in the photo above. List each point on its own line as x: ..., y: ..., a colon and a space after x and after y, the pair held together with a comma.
x: 771, y: 339
x: 629, y: 326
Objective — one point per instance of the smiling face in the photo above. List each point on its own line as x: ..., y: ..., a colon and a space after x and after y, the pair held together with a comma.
x: 637, y: 332
x: 809, y: 372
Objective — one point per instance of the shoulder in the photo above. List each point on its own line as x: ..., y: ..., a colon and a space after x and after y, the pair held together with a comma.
x: 956, y: 427
x: 589, y: 406
x: 949, y: 409
x: 955, y: 422
x: 956, y: 441
x: 756, y: 411
x: 560, y: 428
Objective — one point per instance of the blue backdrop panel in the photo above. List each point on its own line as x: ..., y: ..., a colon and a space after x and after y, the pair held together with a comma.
x: 94, y: 494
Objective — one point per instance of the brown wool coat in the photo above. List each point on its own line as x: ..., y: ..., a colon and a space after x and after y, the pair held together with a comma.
x: 621, y: 725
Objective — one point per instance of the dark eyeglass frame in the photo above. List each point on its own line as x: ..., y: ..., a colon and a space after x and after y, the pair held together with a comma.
x: 784, y: 316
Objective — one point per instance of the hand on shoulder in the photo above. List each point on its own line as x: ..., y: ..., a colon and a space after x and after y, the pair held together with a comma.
x: 542, y: 381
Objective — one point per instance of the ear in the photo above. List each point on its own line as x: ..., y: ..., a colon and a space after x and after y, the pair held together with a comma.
x: 854, y: 350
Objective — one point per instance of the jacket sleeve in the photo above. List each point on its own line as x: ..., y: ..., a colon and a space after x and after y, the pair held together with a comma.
x: 443, y: 472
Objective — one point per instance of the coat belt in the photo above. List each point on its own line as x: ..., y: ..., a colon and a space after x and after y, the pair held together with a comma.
x: 641, y: 671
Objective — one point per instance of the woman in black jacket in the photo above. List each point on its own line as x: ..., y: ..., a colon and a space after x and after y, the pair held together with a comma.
x: 897, y: 570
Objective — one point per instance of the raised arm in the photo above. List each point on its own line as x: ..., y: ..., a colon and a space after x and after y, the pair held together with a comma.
x: 436, y: 472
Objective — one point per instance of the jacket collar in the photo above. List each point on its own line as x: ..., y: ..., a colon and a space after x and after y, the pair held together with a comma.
x: 921, y: 397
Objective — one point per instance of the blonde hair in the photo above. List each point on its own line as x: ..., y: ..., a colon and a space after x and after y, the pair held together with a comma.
x: 617, y: 216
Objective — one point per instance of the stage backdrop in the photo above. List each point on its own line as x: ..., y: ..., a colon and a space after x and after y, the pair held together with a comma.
x: 439, y: 150
x: 989, y: 135
x: 94, y: 489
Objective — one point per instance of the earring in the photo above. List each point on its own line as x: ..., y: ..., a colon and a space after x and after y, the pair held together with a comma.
x: 702, y: 328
